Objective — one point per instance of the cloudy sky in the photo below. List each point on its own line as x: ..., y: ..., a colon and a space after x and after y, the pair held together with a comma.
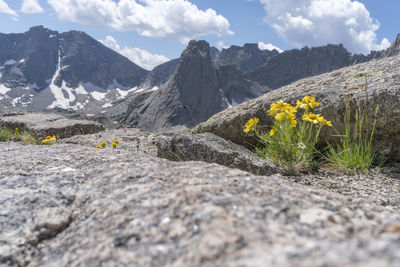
x: 150, y: 32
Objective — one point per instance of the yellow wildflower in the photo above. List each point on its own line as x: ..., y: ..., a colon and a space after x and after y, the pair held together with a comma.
x: 44, y: 141
x: 272, y: 132
x: 251, y: 125
x: 103, y: 144
x: 307, y: 102
x: 116, y: 141
x: 278, y: 107
x: 114, y: 145
x: 98, y: 146
x: 280, y: 116
x: 325, y: 121
x: 48, y: 137
x: 314, y: 118
x: 293, y: 123
x: 16, y: 129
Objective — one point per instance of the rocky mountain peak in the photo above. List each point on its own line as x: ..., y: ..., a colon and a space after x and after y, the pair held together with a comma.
x: 246, y: 58
x: 394, y: 48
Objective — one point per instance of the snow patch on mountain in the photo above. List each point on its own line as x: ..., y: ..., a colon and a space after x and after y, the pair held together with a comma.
x: 10, y: 62
x: 4, y: 89
x: 98, y: 95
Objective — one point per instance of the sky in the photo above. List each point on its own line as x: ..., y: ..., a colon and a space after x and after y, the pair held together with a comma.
x: 150, y: 32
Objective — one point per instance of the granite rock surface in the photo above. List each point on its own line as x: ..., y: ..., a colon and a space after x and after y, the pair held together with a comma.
x: 42, y: 125
x: 68, y: 204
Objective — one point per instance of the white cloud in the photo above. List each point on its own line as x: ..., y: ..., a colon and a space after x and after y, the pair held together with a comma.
x: 318, y: 22
x: 173, y: 19
x: 141, y: 57
x: 220, y: 45
x: 269, y: 46
x: 4, y: 8
x: 31, y: 6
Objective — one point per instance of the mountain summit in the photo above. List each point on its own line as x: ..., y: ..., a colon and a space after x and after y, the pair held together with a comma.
x: 43, y: 69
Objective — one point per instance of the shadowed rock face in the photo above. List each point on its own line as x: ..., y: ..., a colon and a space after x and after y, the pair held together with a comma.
x: 329, y: 89
x: 35, y: 54
x: 195, y: 92
x: 295, y: 64
x: 84, y: 59
x: 160, y: 74
x: 189, y: 97
x: 246, y: 58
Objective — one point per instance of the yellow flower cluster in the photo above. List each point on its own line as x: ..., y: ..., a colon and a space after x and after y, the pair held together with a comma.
x: 307, y: 102
x: 282, y: 110
x: 104, y: 144
x: 49, y: 140
x: 251, y: 125
x: 114, y: 144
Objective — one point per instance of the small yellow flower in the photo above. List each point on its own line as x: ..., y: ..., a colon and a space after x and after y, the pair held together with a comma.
x: 314, y: 118
x: 116, y: 141
x: 103, y: 144
x: 325, y: 121
x: 44, y: 141
x: 98, y: 146
x: 16, y: 129
x: 280, y: 116
x: 114, y: 145
x: 251, y: 125
x: 307, y: 102
x: 48, y: 137
x: 272, y: 132
x: 280, y: 107
x: 293, y: 123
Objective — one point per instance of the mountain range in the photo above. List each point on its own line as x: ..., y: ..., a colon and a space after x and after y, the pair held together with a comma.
x: 43, y: 70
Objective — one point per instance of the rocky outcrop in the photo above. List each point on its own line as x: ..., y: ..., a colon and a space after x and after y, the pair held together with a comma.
x: 178, y: 144
x: 189, y: 97
x: 246, y: 58
x: 68, y: 205
x: 383, y: 78
x: 393, y: 50
x: 42, y: 125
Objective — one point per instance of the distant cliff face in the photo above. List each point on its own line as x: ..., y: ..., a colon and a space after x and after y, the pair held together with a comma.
x: 246, y: 58
x: 295, y: 64
x: 195, y: 91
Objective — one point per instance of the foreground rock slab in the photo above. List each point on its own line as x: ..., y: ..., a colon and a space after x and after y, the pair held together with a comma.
x: 182, y: 145
x: 68, y: 205
x: 42, y: 125
x: 383, y: 77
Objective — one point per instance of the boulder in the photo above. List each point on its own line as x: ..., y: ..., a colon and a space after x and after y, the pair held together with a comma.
x: 42, y: 125
x: 330, y: 89
x: 70, y: 205
x: 181, y: 145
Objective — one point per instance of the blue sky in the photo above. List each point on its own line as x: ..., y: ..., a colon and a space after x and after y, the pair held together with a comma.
x: 150, y: 32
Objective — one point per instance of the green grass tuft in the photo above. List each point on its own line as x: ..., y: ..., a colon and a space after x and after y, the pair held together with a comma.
x: 16, y: 135
x: 354, y: 152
